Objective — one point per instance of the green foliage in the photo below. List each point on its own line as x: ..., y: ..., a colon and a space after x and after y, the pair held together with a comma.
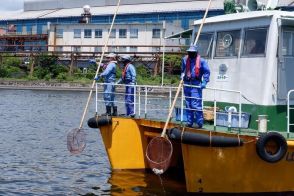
x: 143, y: 71
x: 11, y: 61
x: 57, y: 69
x: 61, y: 76
x: 48, y: 67
x: 90, y: 75
x: 47, y: 77
x: 3, y: 72
x: 229, y: 6
x: 10, y: 67
x: 46, y: 61
x: 174, y: 62
x: 41, y: 72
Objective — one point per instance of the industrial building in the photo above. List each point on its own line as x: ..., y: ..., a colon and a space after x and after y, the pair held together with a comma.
x: 66, y: 26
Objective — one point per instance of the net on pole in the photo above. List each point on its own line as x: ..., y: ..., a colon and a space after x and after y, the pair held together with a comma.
x: 158, y: 153
x: 76, y: 141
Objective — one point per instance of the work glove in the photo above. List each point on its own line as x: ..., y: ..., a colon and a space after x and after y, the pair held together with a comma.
x: 97, y: 78
x: 203, y: 84
x: 182, y: 76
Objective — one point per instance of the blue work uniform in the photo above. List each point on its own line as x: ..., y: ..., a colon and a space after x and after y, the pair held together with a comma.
x: 193, y: 95
x: 129, y: 78
x: 109, y: 75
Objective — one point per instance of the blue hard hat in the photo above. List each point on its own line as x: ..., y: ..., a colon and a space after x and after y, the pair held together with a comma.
x: 193, y: 48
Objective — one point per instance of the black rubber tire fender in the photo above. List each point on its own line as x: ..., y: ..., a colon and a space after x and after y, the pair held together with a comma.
x: 262, y: 142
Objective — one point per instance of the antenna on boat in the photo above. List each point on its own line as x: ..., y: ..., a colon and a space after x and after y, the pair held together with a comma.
x: 76, y: 137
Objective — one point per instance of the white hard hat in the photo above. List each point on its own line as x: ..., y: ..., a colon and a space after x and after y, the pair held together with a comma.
x: 111, y: 55
x: 126, y: 57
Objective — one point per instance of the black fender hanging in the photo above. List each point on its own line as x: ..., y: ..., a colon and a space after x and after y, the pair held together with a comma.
x: 264, y: 143
x: 98, y: 121
x: 199, y: 139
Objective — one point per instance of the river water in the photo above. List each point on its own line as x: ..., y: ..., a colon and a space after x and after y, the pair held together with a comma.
x: 34, y: 159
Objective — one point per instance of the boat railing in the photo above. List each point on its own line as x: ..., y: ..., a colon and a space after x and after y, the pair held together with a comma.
x: 154, y: 102
x: 289, y: 108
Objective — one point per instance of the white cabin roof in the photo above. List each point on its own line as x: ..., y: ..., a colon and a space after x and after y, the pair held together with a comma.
x: 245, y: 16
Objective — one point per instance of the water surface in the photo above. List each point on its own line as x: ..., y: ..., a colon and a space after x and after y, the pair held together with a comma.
x: 34, y: 159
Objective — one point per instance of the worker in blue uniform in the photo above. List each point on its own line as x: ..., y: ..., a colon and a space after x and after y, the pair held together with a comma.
x: 129, y: 79
x: 109, y: 76
x: 194, y: 71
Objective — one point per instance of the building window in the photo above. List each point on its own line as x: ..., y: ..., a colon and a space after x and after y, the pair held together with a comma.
x: 134, y: 33
x: 155, y: 49
x: 254, y: 42
x: 97, y: 49
x: 111, y: 49
x: 59, y: 33
x: 77, y: 48
x: 59, y: 49
x: 228, y: 43
x: 156, y: 33
x: 122, y: 49
x: 19, y: 29
x: 122, y: 33
x: 87, y: 33
x: 113, y: 33
x: 77, y: 33
x: 205, y: 43
x: 98, y: 33
x: 133, y: 49
x: 30, y: 29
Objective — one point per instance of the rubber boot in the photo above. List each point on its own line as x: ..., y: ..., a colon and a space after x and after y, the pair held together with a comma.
x: 114, y: 111
x: 108, y: 111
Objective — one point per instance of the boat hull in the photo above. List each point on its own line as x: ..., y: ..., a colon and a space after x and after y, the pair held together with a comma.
x: 126, y: 140
x: 236, y: 169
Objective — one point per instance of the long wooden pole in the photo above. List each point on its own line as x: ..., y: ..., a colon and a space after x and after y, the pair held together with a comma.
x: 99, y: 65
x: 181, y: 82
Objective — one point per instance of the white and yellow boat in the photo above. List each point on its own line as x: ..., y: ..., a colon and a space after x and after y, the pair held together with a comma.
x: 236, y: 153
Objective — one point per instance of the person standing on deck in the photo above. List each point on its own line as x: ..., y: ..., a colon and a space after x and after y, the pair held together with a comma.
x: 109, y: 76
x: 129, y: 79
x: 194, y: 71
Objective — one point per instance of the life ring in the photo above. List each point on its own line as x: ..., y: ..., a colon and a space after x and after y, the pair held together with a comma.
x: 263, y: 145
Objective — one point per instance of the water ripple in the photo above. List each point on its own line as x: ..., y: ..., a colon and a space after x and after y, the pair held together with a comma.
x: 33, y: 155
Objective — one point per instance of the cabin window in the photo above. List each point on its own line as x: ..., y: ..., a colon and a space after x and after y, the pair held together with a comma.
x: 254, y: 42
x: 288, y: 43
x: 205, y: 43
x: 228, y: 43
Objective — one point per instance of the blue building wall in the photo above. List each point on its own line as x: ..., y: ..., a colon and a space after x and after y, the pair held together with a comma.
x: 184, y: 17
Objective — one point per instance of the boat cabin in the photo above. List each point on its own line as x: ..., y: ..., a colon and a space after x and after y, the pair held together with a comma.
x: 251, y: 53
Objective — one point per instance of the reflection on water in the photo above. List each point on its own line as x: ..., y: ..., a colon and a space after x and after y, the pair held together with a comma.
x: 34, y: 159
x: 128, y: 182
